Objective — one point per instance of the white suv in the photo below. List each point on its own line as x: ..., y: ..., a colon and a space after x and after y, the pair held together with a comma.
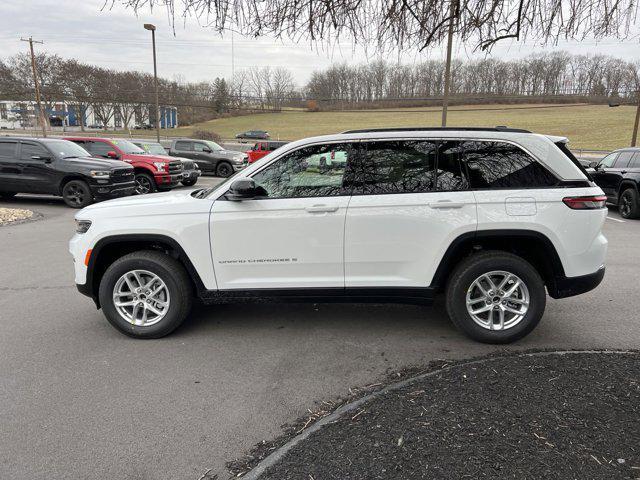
x: 490, y: 217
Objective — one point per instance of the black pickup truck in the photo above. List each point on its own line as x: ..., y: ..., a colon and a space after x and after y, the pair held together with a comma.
x: 618, y: 175
x: 60, y: 167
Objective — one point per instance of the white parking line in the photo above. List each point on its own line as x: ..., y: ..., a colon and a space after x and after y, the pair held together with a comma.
x: 616, y: 219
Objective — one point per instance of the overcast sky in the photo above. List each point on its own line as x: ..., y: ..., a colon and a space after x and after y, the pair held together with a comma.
x: 115, y: 38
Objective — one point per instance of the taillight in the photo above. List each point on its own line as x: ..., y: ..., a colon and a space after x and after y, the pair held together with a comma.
x: 585, y: 203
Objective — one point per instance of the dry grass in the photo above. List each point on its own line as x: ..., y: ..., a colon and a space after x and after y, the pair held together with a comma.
x: 587, y: 126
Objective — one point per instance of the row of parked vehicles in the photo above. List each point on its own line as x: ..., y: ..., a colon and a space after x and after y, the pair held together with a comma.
x: 87, y: 169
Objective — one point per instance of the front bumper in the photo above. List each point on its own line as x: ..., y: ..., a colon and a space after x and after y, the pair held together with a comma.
x: 191, y: 174
x: 168, y: 181
x: 564, y: 287
x: 114, y: 190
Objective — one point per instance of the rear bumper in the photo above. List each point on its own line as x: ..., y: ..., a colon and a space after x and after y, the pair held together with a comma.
x: 570, y: 286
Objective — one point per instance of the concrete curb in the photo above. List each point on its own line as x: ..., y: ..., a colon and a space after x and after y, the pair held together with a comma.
x: 277, y: 454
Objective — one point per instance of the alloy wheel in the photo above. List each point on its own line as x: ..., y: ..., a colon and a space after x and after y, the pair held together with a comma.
x: 497, y: 300
x: 143, y: 185
x: 625, y: 204
x: 75, y: 195
x: 141, y: 298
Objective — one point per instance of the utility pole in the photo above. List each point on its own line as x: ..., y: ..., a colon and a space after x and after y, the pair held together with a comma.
x: 447, y: 71
x: 634, y: 137
x: 233, y: 60
x: 36, y: 83
x: 149, y: 26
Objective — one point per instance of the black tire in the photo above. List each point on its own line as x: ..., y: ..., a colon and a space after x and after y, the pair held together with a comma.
x: 471, y: 268
x: 224, y: 170
x: 189, y: 183
x: 77, y: 194
x: 170, y: 271
x: 7, y: 195
x: 144, y: 183
x: 628, y: 205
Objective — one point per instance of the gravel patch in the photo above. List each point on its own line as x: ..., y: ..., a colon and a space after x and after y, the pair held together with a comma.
x: 550, y: 416
x: 12, y: 215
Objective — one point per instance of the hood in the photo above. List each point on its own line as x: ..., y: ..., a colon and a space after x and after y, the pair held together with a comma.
x: 91, y: 162
x: 148, y: 200
x: 146, y: 157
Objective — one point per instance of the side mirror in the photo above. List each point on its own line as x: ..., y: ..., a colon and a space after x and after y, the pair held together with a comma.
x: 206, y: 150
x: 242, y: 189
x: 112, y: 154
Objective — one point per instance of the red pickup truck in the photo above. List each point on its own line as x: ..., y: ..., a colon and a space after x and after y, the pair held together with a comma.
x: 260, y: 149
x: 152, y: 172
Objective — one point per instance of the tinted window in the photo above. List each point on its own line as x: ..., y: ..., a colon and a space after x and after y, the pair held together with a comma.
x: 187, y: 146
x: 100, y: 149
x: 635, y: 161
x: 623, y: 159
x: 451, y: 171
x: 315, y: 171
x: 395, y: 167
x: 503, y: 165
x: 8, y: 149
x: 29, y: 150
x: 64, y: 149
x: 609, y: 160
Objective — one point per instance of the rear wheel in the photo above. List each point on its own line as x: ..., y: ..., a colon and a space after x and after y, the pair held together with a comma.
x: 224, y: 170
x: 628, y: 204
x: 189, y: 183
x: 145, y: 294
x: 495, y: 297
x: 7, y: 195
x: 77, y: 194
x: 144, y: 183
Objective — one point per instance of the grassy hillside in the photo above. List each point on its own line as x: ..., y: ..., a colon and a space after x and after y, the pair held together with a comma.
x: 587, y: 126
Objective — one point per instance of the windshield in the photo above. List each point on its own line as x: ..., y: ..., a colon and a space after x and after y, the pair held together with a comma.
x: 127, y: 147
x: 213, y: 145
x: 65, y: 148
x: 153, y: 148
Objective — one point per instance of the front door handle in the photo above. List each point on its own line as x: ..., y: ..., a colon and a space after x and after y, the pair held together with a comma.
x: 623, y: 172
x: 446, y: 204
x: 321, y: 209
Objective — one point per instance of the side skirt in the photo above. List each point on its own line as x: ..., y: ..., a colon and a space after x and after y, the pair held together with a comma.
x: 401, y: 295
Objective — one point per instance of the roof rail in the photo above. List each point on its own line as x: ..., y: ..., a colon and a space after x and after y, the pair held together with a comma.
x: 499, y: 128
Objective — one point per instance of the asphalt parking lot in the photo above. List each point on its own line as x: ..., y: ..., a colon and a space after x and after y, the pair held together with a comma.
x: 80, y: 400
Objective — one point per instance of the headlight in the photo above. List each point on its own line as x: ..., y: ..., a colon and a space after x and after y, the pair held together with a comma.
x: 100, y: 173
x: 159, y: 166
x: 82, y: 226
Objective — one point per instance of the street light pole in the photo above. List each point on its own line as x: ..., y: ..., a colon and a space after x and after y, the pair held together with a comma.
x: 149, y: 26
x: 447, y: 71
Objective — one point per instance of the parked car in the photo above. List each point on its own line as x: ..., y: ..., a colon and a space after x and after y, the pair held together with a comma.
x: 492, y: 218
x: 253, y: 135
x: 260, y: 149
x: 95, y: 126
x: 152, y: 173
x: 190, y: 169
x: 58, y: 167
x: 618, y: 174
x: 210, y: 156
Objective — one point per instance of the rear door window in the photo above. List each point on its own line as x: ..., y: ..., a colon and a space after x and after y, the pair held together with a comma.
x: 635, y: 161
x: 8, y: 150
x: 185, y: 146
x: 401, y: 166
x: 451, y: 174
x: 501, y: 165
x: 623, y: 159
x: 29, y: 150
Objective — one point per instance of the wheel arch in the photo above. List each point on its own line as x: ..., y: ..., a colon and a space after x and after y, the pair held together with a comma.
x: 67, y: 178
x: 109, y: 249
x: 533, y: 246
x: 626, y: 183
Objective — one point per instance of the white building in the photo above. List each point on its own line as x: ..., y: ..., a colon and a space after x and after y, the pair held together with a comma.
x: 15, y: 114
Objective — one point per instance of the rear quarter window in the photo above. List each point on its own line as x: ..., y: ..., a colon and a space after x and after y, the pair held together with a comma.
x: 501, y: 165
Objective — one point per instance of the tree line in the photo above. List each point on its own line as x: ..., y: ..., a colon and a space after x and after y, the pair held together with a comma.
x: 555, y: 77
x: 544, y: 76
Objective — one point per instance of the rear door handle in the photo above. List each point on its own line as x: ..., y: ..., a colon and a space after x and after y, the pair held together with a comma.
x: 623, y: 172
x: 446, y: 204
x: 321, y: 209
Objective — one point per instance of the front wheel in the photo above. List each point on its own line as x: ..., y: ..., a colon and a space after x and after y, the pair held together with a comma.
x: 144, y: 183
x: 146, y: 294
x: 495, y: 297
x: 77, y: 194
x: 628, y: 204
x: 224, y: 170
